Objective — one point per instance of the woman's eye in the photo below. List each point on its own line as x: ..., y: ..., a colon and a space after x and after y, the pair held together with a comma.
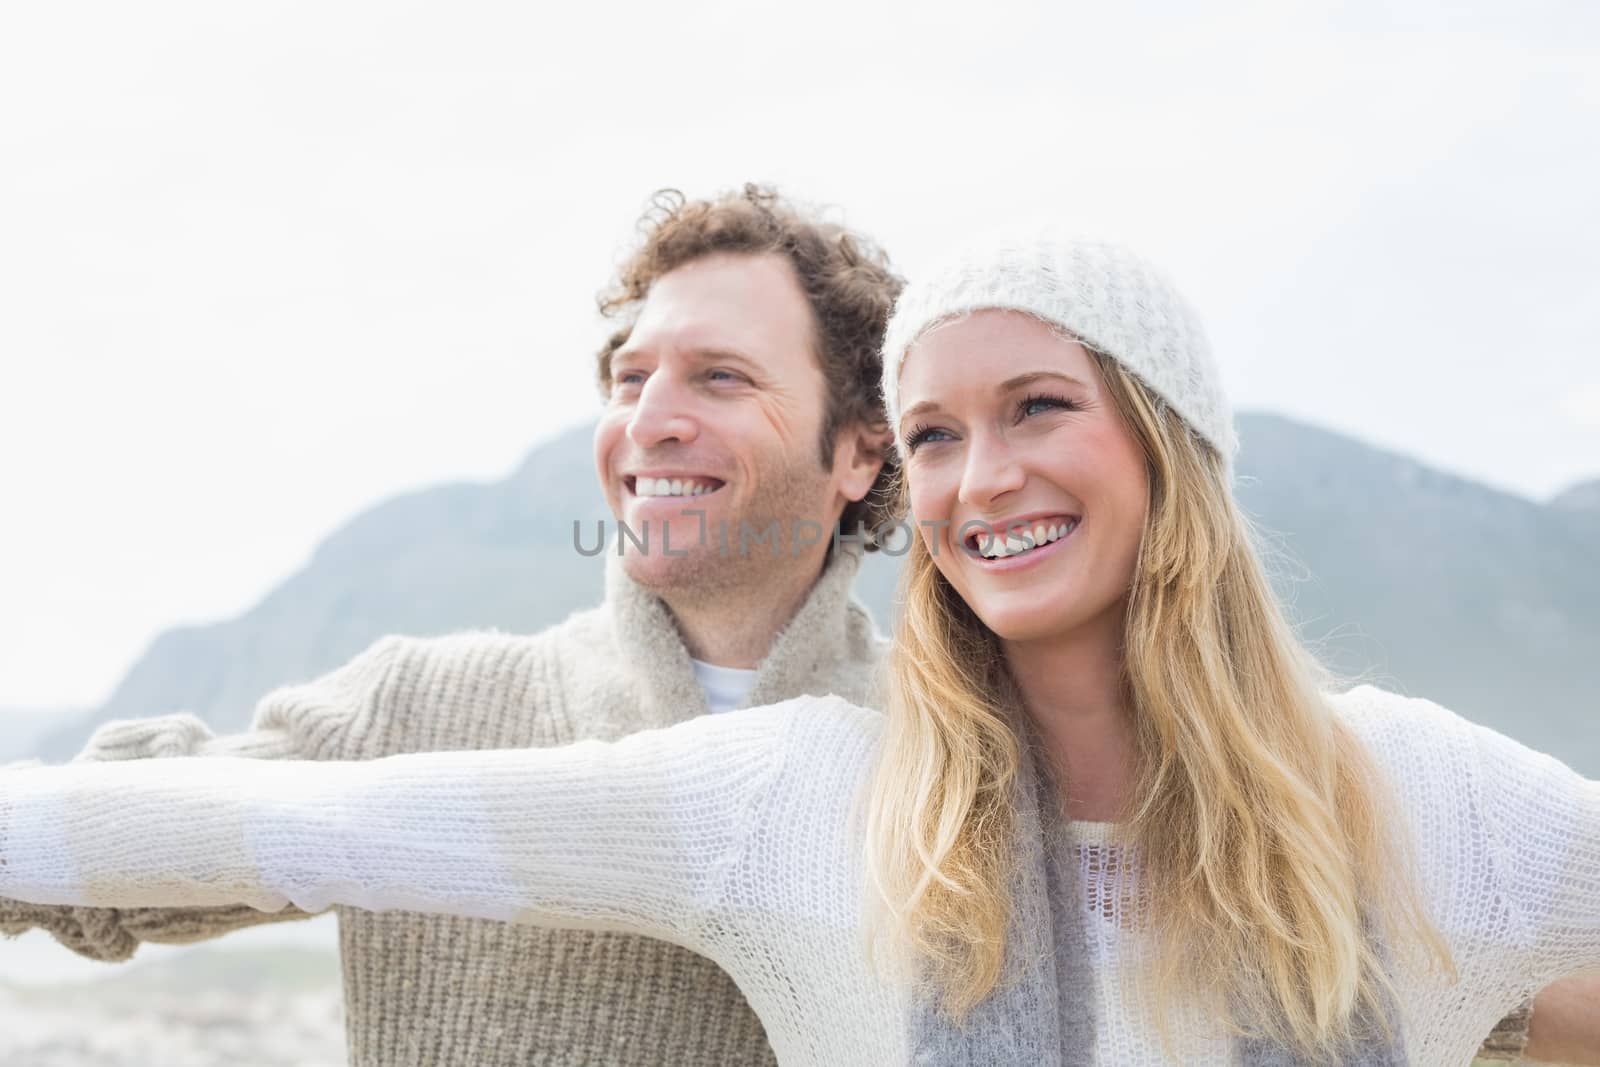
x: 629, y: 377
x: 1034, y: 405
x: 923, y: 435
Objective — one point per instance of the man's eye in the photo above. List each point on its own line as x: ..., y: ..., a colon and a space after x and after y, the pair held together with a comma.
x: 629, y: 377
x: 724, y: 376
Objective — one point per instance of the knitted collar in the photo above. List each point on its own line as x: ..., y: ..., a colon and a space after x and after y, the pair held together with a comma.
x: 1041, y: 1011
x: 805, y: 657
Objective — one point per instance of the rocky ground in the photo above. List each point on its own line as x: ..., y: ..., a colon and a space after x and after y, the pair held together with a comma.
x: 281, y: 1009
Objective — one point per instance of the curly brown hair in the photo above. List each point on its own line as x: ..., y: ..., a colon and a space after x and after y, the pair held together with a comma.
x: 847, y: 281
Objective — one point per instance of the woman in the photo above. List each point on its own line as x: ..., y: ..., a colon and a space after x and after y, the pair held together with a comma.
x: 1109, y: 816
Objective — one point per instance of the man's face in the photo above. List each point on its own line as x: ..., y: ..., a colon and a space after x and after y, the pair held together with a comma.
x: 717, y: 406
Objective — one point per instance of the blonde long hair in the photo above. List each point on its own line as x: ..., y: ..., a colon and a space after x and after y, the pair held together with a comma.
x: 1257, y: 817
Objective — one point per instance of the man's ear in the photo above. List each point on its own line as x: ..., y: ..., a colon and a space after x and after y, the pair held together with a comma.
x: 858, y: 456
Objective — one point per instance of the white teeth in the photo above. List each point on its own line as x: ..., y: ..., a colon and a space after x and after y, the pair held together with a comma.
x: 670, y: 487
x: 1016, y: 542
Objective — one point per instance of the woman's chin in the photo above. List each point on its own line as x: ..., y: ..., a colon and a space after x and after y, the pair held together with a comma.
x: 1028, y: 615
x: 1020, y: 623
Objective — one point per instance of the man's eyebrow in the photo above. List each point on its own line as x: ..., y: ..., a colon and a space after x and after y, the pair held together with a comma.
x: 724, y: 355
x: 623, y: 354
x: 699, y: 355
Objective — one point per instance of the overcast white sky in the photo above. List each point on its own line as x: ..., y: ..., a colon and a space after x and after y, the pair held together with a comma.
x: 262, y: 265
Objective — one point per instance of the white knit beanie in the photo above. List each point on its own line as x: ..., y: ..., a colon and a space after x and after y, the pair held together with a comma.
x: 1104, y: 296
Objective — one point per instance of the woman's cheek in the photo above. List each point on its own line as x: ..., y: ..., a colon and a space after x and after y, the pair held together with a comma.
x: 930, y: 513
x: 928, y: 496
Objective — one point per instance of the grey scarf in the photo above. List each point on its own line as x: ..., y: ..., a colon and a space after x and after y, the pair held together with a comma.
x: 1041, y: 1012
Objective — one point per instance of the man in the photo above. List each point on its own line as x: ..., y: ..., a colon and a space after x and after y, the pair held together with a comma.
x: 741, y: 430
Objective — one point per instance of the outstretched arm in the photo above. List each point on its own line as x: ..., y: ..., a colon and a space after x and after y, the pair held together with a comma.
x: 306, y: 721
x: 1544, y: 824
x: 114, y: 934
x: 632, y: 836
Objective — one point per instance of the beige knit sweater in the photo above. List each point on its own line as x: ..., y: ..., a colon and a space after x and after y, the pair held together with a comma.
x: 436, y: 991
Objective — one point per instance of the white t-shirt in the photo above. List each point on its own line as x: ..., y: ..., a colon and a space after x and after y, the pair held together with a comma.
x: 725, y: 687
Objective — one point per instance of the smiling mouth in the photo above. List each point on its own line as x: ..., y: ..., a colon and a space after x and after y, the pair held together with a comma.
x: 644, y: 486
x: 1017, y: 539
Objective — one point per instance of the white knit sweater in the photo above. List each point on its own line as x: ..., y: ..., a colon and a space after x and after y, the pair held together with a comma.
x: 738, y: 836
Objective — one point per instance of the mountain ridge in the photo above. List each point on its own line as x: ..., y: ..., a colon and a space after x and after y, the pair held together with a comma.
x: 1397, y: 572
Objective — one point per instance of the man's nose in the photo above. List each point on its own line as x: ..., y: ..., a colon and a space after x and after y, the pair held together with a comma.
x: 992, y: 470
x: 663, y: 413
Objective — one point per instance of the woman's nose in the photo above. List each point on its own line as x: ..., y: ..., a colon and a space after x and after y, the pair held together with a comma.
x: 992, y: 470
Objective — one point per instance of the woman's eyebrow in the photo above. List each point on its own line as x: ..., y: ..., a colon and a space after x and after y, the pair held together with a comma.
x: 918, y: 408
x: 1010, y: 384
x: 1031, y: 377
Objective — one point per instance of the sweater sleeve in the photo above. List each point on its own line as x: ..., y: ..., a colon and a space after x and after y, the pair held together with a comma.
x: 633, y: 836
x: 1543, y: 822
x: 296, y: 722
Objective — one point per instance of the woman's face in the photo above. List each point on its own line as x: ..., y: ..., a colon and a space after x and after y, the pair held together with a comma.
x: 1008, y: 426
